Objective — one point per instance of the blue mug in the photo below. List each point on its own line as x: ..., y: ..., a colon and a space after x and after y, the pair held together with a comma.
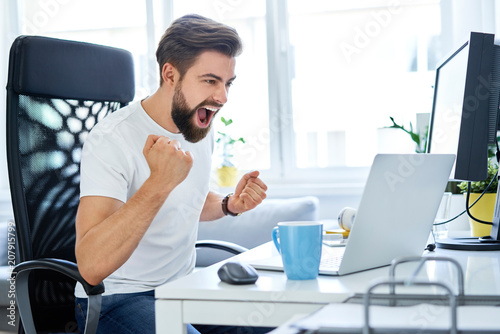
x: 299, y: 243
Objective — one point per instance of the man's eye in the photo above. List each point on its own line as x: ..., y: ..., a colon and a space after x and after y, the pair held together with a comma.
x: 229, y: 84
x: 210, y: 82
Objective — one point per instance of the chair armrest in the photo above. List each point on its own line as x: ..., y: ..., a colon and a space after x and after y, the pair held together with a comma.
x: 67, y: 268
x: 223, y: 245
x: 21, y: 274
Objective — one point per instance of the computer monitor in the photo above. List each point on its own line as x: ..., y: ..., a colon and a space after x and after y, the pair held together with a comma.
x: 464, y: 120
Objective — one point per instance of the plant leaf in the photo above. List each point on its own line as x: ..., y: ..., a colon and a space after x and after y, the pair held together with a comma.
x: 226, y: 121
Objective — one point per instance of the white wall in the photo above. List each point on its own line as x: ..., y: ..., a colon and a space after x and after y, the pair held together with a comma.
x: 8, y: 32
x: 467, y: 16
x: 3, y: 81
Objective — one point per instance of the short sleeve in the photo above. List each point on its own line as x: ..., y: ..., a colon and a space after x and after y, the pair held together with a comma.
x: 103, y: 168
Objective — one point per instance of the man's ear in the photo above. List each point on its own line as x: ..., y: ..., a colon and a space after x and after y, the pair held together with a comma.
x: 169, y: 73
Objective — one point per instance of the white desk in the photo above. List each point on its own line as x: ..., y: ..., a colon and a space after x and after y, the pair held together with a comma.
x: 201, y: 298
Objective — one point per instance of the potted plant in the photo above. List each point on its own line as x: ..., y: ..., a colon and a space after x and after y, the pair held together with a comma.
x: 227, y: 171
x: 419, y: 139
x: 485, y: 207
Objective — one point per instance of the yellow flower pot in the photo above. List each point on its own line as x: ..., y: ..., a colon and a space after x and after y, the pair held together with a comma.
x: 482, y: 210
x: 226, y: 176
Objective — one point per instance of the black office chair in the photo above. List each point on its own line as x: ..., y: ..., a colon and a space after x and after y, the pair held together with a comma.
x: 57, y: 91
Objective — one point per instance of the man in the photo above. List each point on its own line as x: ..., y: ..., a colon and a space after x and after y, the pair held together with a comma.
x: 144, y: 178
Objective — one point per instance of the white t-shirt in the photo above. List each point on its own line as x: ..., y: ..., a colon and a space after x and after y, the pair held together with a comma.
x: 113, y: 165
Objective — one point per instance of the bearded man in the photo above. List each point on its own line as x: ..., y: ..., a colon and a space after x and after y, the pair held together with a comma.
x: 145, y: 174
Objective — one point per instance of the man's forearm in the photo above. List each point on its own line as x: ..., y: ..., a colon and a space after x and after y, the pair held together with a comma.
x: 212, y: 209
x: 109, y: 243
x: 249, y: 192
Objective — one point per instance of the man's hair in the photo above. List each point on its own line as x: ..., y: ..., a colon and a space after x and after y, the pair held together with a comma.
x: 191, y: 35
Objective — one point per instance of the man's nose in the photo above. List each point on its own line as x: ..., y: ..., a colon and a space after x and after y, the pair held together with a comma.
x: 220, y: 95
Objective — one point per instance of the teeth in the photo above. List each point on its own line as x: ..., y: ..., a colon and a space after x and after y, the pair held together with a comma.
x: 211, y: 109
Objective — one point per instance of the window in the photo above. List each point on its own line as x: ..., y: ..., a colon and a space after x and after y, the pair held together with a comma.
x: 354, y: 64
x: 336, y: 72
x: 118, y: 23
x: 317, y: 81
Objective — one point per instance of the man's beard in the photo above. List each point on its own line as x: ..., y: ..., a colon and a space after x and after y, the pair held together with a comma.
x: 183, y: 116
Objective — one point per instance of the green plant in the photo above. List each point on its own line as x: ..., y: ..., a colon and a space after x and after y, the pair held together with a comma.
x: 453, y: 186
x: 480, y: 186
x: 227, y: 143
x: 419, y: 139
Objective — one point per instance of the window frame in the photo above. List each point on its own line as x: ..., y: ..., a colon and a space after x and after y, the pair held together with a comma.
x: 282, y: 139
x: 337, y: 179
x: 282, y: 171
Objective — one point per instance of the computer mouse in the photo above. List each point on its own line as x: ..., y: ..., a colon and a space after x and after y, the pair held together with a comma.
x: 237, y: 273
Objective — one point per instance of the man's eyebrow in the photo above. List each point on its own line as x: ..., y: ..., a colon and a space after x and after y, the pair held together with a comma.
x: 216, y: 77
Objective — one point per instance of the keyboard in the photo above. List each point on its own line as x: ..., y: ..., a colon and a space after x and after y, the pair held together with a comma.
x: 331, y: 258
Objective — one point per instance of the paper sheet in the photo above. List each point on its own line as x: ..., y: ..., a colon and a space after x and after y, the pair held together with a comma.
x: 422, y: 316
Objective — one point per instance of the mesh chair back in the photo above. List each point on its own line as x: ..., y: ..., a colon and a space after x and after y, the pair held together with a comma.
x: 57, y: 91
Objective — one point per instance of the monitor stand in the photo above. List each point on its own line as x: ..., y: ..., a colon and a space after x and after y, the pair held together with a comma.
x: 488, y: 243
x: 471, y: 244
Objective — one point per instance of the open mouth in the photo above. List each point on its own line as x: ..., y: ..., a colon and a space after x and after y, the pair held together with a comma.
x: 205, y: 115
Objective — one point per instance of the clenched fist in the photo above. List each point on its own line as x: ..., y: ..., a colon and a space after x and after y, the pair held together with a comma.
x: 250, y: 192
x: 169, y: 164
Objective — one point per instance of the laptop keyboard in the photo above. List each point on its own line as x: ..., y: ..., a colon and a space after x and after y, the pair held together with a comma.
x: 331, y: 263
x: 331, y: 258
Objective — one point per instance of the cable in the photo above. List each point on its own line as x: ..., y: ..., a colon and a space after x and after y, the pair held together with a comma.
x: 430, y: 247
x: 468, y: 207
x: 467, y: 202
x: 497, y: 155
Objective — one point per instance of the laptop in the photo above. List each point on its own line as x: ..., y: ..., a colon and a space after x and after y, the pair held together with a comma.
x: 395, y: 215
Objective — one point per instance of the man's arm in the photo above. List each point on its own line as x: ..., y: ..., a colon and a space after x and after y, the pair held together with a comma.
x: 250, y: 192
x: 108, y: 230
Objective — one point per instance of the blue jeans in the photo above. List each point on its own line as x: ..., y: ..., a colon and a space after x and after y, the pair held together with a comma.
x: 134, y: 313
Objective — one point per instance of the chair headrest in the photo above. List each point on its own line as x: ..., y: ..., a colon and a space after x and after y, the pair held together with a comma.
x: 50, y: 67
